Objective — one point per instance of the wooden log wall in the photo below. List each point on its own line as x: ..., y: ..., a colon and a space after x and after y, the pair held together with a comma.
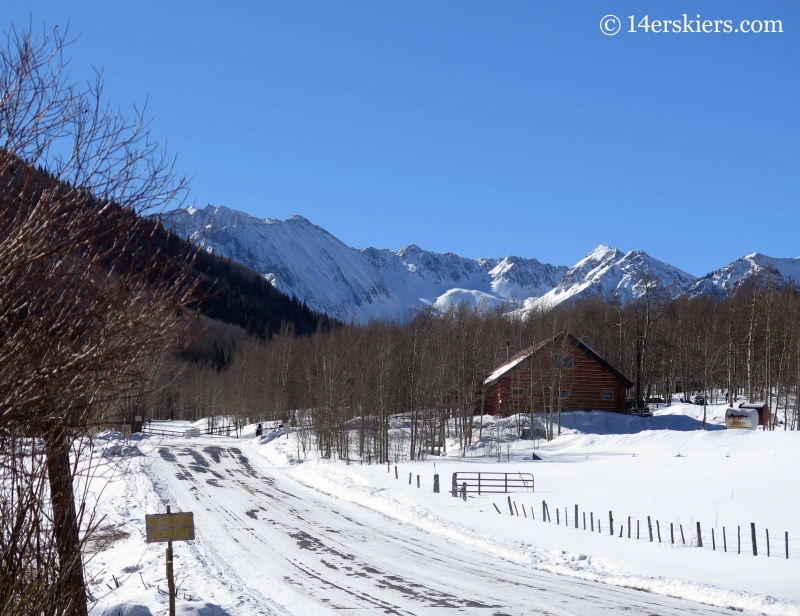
x: 584, y: 384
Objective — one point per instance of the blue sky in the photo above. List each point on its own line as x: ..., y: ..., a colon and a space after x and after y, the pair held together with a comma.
x: 484, y: 128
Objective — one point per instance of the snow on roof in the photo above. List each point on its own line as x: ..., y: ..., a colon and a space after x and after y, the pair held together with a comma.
x: 526, y: 353
x: 503, y: 368
x: 516, y: 360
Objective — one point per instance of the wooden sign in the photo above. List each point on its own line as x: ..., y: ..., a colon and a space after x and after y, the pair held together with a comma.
x: 163, y: 527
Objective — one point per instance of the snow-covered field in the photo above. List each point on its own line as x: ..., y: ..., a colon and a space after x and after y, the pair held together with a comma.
x: 282, y: 535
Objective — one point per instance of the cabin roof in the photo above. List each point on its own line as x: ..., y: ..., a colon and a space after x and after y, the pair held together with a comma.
x: 520, y: 357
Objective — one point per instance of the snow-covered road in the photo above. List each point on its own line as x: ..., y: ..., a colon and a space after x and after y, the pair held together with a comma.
x: 287, y: 548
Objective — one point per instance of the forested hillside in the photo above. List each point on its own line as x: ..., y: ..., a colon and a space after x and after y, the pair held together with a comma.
x: 233, y: 293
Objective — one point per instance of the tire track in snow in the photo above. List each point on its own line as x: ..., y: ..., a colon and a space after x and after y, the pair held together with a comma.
x: 342, y: 562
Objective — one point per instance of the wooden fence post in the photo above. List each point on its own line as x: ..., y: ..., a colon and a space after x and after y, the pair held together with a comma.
x: 455, y: 485
x: 591, y: 519
x: 658, y: 530
x: 610, y: 524
x: 767, y: 543
x: 436, y: 484
x: 683, y: 539
x: 713, y: 541
x: 753, y: 536
x: 584, y: 520
x: 498, y: 510
x: 787, y: 544
x: 464, y: 491
x: 418, y: 481
x: 396, y: 476
x: 699, y: 537
x: 672, y: 533
x: 517, y: 510
x: 724, y: 541
x: 510, y: 510
x: 409, y: 478
x: 576, y: 516
x: 544, y: 512
x: 650, y: 528
x: 170, y: 577
x: 739, y: 539
x: 629, y: 527
x: 637, y: 530
x: 557, y: 516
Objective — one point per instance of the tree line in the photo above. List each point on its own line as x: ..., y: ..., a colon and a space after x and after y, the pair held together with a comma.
x: 363, y: 382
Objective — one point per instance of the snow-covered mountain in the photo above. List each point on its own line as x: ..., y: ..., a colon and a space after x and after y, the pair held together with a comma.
x: 416, y: 276
x: 296, y: 256
x: 304, y: 260
x: 607, y: 272
x: 755, y: 266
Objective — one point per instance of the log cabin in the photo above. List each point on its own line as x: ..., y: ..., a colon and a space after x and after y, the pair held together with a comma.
x: 561, y: 366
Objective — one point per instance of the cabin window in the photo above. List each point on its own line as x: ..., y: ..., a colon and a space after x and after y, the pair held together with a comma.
x: 517, y: 392
x: 564, y: 393
x: 565, y: 361
x: 607, y: 395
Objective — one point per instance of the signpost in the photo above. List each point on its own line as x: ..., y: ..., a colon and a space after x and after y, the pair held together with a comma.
x: 168, y: 527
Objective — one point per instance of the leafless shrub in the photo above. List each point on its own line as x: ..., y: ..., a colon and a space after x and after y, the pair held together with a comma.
x: 86, y: 301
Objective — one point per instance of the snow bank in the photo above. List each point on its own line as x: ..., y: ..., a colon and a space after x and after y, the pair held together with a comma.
x: 660, y: 466
x: 139, y: 607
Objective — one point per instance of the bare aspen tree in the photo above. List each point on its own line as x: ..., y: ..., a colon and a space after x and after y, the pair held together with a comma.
x: 86, y: 299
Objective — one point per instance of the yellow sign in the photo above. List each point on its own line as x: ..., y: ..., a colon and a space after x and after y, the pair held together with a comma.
x: 163, y: 527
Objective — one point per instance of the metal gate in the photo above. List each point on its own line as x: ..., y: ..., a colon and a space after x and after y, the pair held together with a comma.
x: 492, y: 483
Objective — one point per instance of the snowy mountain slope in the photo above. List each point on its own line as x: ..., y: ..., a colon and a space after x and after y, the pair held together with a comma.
x: 420, y: 276
x: 515, y: 277
x: 303, y: 259
x: 729, y: 278
x: 455, y: 297
x: 607, y: 272
x: 296, y: 256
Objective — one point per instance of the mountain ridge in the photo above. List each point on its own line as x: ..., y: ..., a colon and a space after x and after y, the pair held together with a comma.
x: 304, y: 260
